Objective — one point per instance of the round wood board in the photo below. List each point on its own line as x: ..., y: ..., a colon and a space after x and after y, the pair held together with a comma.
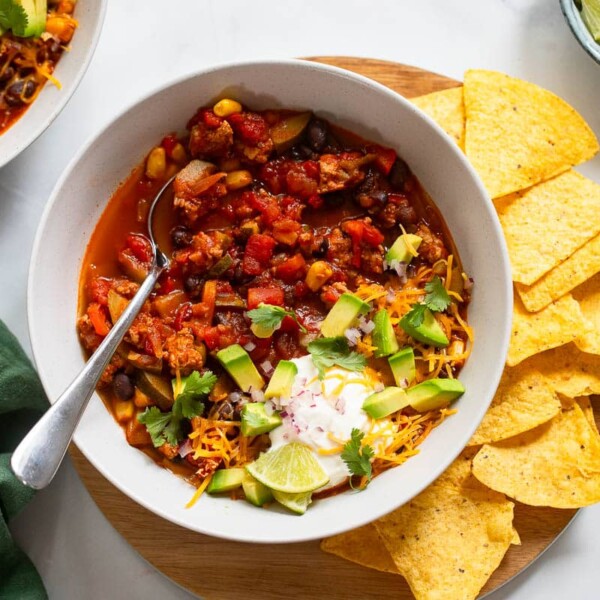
x: 267, y: 572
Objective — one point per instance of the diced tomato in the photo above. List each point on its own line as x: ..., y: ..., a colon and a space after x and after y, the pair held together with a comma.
x: 257, y: 296
x: 258, y: 253
x: 384, y: 158
x: 301, y: 290
x: 286, y: 231
x: 206, y: 116
x: 291, y: 207
x: 211, y: 337
x: 292, y: 269
x: 302, y: 178
x: 289, y: 324
x: 355, y: 230
x: 273, y: 175
x: 218, y: 337
x: 262, y: 347
x: 265, y: 204
x: 99, y: 288
x: 251, y: 127
x: 168, y: 143
x: 140, y: 247
x: 372, y: 235
x: 184, y: 313
x: 99, y: 317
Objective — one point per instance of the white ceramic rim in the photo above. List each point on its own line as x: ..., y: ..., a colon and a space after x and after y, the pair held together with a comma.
x: 66, y: 94
x: 503, y: 266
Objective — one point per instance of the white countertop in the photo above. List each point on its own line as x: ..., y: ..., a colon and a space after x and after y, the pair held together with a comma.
x: 146, y: 43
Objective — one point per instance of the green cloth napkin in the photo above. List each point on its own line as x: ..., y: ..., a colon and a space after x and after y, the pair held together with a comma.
x: 22, y: 402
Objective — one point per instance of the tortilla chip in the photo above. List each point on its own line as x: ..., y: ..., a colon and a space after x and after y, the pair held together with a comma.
x: 557, y: 324
x: 557, y: 464
x: 588, y: 296
x: 545, y: 224
x: 523, y: 401
x: 586, y: 406
x: 568, y: 370
x: 447, y: 109
x: 580, y: 266
x: 448, y: 542
x: 518, y: 134
x: 362, y: 546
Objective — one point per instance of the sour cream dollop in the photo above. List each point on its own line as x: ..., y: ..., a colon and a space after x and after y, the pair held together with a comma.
x: 322, y: 414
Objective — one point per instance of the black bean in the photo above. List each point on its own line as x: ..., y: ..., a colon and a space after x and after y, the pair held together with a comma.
x: 322, y: 248
x: 7, y: 74
x: 300, y: 152
x: 399, y: 174
x: 193, y: 284
x: 29, y: 89
x: 13, y: 93
x: 316, y: 134
x: 181, y: 236
x: 122, y: 386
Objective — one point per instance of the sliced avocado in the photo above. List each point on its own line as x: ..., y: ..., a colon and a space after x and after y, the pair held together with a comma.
x: 157, y: 388
x: 399, y: 249
x: 428, y: 332
x: 434, y: 393
x: 343, y: 314
x: 225, y: 480
x: 384, y: 403
x: 256, y: 492
x: 384, y: 336
x: 36, y: 11
x: 239, y: 365
x: 256, y: 421
x: 403, y: 366
x: 282, y: 380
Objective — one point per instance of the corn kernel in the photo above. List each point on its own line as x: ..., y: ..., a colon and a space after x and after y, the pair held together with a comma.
x: 123, y: 410
x: 226, y: 107
x: 178, y: 154
x: 229, y: 164
x: 236, y: 180
x: 318, y: 274
x: 156, y: 165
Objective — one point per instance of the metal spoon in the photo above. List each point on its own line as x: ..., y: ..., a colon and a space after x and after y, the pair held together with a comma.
x: 38, y: 456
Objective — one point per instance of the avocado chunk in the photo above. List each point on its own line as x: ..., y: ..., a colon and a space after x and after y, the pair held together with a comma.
x: 434, y: 393
x: 384, y: 336
x: 256, y: 421
x: 428, y: 332
x: 156, y: 388
x: 399, y: 250
x: 239, y: 365
x: 282, y: 379
x: 384, y: 403
x: 256, y: 492
x: 403, y: 367
x: 225, y: 480
x: 343, y: 314
x: 35, y: 23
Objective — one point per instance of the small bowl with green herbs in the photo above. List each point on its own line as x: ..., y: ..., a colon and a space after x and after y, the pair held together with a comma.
x: 583, y: 17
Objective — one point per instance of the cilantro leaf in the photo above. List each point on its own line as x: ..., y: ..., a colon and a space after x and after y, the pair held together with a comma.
x: 327, y: 352
x: 358, y: 457
x: 156, y: 422
x: 13, y: 16
x: 188, y: 402
x: 414, y: 317
x: 270, y: 317
x: 437, y: 298
x: 166, y: 427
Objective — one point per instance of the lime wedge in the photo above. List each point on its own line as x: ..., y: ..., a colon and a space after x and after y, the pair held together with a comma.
x: 292, y: 469
x: 590, y: 13
x: 297, y: 503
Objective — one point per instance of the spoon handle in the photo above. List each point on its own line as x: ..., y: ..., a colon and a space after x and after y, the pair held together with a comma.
x: 38, y: 456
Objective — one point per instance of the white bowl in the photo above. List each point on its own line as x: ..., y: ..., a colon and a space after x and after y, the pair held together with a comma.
x: 69, y: 71
x: 346, y: 99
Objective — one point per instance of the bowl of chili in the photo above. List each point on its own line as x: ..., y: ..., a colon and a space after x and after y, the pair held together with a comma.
x: 38, y: 75
x: 289, y: 226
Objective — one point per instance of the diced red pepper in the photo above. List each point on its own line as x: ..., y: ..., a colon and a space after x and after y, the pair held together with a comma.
x: 251, y: 127
x: 168, y: 143
x: 258, y: 253
x: 140, y: 247
x: 384, y: 158
x: 355, y: 229
x: 99, y: 317
x: 372, y: 235
x: 257, y: 296
x: 184, y: 313
x: 292, y: 269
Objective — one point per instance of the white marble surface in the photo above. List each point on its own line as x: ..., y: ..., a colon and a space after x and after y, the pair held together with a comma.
x: 146, y: 43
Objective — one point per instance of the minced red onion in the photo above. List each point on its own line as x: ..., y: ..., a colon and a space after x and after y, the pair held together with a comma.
x: 352, y: 335
x: 249, y: 346
x: 267, y: 367
x: 366, y: 325
x: 379, y: 387
x: 257, y: 395
x: 399, y: 267
x: 185, y: 448
x: 391, y: 296
x: 235, y: 397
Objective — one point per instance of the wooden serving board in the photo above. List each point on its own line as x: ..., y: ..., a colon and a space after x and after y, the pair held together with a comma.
x: 219, y: 569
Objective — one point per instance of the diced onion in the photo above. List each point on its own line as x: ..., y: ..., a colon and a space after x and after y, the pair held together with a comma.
x: 352, y: 335
x: 267, y: 367
x: 366, y: 325
x: 185, y: 448
x: 249, y: 346
x: 257, y: 395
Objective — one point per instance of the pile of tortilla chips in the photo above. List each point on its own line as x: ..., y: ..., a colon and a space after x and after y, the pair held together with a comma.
x: 538, y: 443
